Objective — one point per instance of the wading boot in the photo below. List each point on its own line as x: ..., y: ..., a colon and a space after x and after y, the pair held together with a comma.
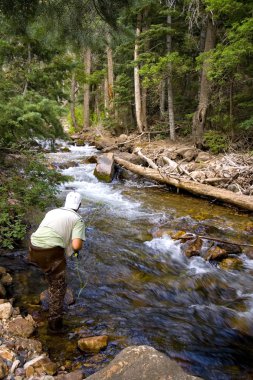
x: 55, y: 326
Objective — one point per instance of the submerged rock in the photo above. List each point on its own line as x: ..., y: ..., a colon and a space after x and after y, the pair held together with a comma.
x: 93, y: 344
x: 139, y: 363
x: 231, y: 263
x: 105, y: 168
x: 193, y: 247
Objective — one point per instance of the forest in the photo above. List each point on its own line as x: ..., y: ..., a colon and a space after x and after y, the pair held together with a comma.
x: 174, y: 68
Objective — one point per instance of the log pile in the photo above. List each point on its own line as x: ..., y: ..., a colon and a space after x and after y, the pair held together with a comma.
x: 181, y: 175
x: 232, y: 171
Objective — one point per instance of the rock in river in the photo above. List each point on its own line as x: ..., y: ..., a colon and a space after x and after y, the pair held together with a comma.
x: 139, y: 363
x: 105, y: 167
x: 93, y: 344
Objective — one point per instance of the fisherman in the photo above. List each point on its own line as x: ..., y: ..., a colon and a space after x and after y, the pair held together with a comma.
x: 61, y: 232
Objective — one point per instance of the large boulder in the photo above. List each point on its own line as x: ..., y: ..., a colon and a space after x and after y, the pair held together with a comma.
x: 139, y: 363
x: 105, y: 167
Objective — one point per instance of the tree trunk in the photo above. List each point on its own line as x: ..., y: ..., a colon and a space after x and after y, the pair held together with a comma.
x: 73, y: 102
x: 106, y: 96
x: 169, y: 83
x: 242, y: 201
x: 137, y: 82
x: 86, y: 97
x: 162, y: 89
x: 199, y: 118
x: 110, y: 74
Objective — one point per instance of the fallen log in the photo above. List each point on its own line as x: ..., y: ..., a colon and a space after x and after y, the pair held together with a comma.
x: 241, y: 201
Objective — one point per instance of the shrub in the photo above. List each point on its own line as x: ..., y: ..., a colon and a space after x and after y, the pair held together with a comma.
x: 26, y: 184
x: 215, y: 142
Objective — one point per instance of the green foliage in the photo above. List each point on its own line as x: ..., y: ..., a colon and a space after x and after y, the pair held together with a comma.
x: 26, y: 117
x: 12, y: 227
x: 215, y: 141
x: 247, y: 125
x: 79, y: 119
x: 26, y: 185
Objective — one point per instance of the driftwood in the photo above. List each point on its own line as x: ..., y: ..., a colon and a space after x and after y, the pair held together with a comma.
x: 241, y: 201
x: 148, y: 160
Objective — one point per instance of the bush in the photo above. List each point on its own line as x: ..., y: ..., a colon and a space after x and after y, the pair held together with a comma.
x: 215, y: 142
x: 26, y: 184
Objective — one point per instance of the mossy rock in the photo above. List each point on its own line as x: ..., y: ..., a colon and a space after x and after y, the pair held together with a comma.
x: 231, y: 263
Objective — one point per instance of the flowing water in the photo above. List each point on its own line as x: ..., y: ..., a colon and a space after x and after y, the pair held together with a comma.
x: 143, y: 290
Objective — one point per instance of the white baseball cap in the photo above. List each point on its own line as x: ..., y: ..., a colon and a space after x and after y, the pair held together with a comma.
x: 73, y: 200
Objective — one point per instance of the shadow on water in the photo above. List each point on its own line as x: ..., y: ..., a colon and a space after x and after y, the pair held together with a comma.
x: 143, y: 290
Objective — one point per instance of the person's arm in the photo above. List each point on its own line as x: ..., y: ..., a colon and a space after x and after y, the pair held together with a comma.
x: 78, y: 235
x: 77, y: 244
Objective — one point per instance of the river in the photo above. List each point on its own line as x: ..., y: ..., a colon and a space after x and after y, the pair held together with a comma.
x: 143, y: 290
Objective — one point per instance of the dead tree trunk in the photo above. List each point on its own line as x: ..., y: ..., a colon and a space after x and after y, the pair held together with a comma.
x: 199, y: 118
x: 86, y: 97
x: 169, y: 83
x: 137, y: 81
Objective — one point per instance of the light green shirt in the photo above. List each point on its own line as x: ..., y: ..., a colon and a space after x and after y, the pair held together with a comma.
x: 58, y: 228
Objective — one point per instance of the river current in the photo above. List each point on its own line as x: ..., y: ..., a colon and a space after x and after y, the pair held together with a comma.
x: 138, y: 289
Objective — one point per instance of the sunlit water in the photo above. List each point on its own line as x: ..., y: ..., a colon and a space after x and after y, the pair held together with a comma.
x: 143, y: 290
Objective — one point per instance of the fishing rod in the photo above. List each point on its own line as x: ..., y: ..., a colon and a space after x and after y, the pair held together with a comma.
x: 81, y: 274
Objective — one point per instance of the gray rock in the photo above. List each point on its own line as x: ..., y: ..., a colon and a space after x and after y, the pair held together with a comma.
x: 76, y: 375
x: 203, y: 157
x: 139, y: 363
x: 23, y: 327
x: 6, y: 310
x: 122, y: 139
x: 28, y: 344
x: 105, y: 167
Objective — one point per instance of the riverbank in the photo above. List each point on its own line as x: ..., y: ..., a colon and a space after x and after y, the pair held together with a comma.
x: 225, y: 177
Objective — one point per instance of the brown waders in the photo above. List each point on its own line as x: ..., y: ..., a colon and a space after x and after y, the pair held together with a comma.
x: 52, y: 261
